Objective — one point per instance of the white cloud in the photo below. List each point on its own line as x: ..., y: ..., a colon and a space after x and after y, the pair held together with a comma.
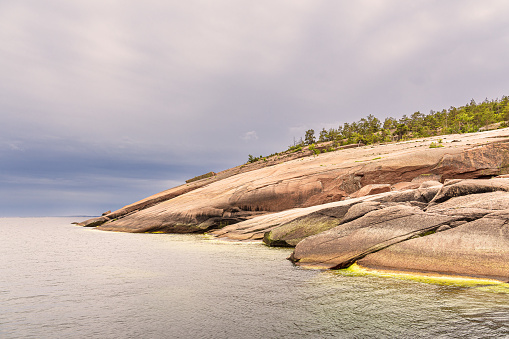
x: 251, y: 135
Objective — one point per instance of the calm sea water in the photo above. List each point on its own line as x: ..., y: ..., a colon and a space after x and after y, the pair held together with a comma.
x: 62, y: 281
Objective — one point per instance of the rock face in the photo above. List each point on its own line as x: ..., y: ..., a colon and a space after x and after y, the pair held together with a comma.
x: 477, y: 248
x: 235, y: 196
x: 380, y: 206
x: 464, y: 233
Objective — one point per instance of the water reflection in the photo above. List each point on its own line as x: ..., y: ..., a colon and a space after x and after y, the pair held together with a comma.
x: 58, y: 280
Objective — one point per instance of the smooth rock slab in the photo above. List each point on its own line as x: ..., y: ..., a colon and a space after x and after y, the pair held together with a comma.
x: 457, y: 188
x: 299, y: 183
x: 479, y: 248
x: 343, y: 245
x: 291, y: 233
x: 473, y: 206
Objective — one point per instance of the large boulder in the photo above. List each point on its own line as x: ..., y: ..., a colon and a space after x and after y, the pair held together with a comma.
x: 456, y: 188
x: 464, y: 235
x: 291, y: 233
x: 473, y: 206
x: 343, y: 245
x: 479, y: 248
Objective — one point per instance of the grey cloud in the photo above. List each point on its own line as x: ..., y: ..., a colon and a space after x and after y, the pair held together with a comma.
x: 160, y: 90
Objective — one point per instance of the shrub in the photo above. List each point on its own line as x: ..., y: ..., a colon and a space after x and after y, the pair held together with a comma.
x: 313, y: 148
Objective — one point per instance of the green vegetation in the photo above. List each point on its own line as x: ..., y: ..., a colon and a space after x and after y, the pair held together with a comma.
x: 472, y: 117
x: 465, y: 119
x: 313, y: 149
x: 203, y: 176
x: 252, y: 159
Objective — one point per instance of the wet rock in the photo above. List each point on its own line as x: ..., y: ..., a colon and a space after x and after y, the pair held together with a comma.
x: 94, y: 222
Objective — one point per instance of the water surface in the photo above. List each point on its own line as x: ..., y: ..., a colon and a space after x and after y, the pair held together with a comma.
x: 59, y: 281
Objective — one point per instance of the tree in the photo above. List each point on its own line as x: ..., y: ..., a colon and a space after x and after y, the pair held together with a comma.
x: 373, y: 124
x: 390, y: 123
x: 324, y: 135
x: 401, y: 130
x: 309, y: 137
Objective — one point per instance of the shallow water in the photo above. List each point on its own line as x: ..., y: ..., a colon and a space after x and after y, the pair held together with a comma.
x: 59, y: 281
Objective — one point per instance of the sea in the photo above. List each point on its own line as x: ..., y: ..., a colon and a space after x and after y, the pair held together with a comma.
x: 58, y: 280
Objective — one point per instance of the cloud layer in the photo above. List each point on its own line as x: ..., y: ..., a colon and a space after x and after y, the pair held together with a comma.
x: 104, y: 102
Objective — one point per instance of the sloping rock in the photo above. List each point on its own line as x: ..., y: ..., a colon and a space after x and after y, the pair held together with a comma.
x: 477, y: 162
x: 423, y: 195
x: 94, y: 222
x: 295, y: 223
x: 255, y: 228
x: 358, y: 210
x: 343, y: 245
x: 473, y: 205
x: 146, y: 203
x: 287, y: 228
x: 478, y: 248
x: 291, y: 233
x: 456, y: 188
x: 225, y: 199
x: 463, y: 235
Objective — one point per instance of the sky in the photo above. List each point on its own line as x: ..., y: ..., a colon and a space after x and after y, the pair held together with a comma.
x: 103, y: 103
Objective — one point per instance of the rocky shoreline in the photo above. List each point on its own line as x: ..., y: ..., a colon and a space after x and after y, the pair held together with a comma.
x: 401, y: 206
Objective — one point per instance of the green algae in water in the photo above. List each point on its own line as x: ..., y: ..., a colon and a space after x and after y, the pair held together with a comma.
x: 487, y: 285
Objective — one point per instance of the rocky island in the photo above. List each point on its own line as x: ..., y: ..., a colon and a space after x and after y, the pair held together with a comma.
x: 404, y: 206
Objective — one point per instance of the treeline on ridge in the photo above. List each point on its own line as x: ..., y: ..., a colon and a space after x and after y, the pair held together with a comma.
x: 472, y: 117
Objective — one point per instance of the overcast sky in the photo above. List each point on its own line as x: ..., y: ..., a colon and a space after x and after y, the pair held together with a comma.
x: 103, y: 103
